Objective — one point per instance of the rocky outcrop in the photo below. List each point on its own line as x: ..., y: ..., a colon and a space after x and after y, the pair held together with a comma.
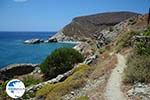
x: 140, y: 89
x: 84, y: 48
x: 16, y: 69
x: 33, y: 41
x: 60, y: 36
x: 37, y: 41
x: 109, y: 34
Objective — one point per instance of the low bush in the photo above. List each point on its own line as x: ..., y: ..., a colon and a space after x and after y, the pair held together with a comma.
x: 142, y: 48
x: 3, y: 85
x: 147, y: 32
x: 28, y: 95
x: 60, y: 61
x: 76, y: 80
x: 138, y: 69
x: 30, y: 80
x: 3, y: 94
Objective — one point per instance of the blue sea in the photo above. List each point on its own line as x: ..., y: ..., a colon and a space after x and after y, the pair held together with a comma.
x: 13, y: 50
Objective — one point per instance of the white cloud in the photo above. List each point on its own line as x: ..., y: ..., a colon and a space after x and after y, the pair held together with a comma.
x: 20, y: 0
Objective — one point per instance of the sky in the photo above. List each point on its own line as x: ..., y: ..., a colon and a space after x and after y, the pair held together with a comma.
x: 52, y: 15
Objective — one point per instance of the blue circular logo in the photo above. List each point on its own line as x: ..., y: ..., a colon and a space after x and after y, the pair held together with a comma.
x: 15, y: 88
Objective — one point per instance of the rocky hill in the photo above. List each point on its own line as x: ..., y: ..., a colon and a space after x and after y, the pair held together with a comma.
x: 88, y: 26
x: 97, y: 30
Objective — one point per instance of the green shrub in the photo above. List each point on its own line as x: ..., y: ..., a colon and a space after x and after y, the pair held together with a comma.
x: 30, y: 80
x: 138, y: 69
x: 28, y: 95
x: 147, y: 32
x: 3, y: 85
x: 76, y: 80
x: 142, y: 48
x: 60, y: 61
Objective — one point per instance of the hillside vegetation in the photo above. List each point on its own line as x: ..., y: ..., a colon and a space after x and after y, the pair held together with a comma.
x: 138, y: 69
x: 60, y: 61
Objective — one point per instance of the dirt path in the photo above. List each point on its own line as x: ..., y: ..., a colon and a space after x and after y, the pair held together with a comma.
x: 113, y: 91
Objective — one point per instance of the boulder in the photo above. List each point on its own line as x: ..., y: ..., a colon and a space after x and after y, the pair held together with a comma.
x: 36, y: 70
x: 90, y: 59
x: 84, y: 48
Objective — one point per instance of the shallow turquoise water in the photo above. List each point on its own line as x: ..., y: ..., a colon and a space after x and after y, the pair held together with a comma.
x: 12, y: 49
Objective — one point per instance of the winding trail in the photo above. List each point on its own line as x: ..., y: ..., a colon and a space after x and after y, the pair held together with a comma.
x: 113, y: 91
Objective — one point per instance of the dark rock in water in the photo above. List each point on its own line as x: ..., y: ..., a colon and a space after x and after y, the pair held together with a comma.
x: 16, y: 69
x: 33, y: 41
x: 52, y: 40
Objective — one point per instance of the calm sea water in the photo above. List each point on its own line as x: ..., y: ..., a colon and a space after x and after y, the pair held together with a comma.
x: 12, y: 49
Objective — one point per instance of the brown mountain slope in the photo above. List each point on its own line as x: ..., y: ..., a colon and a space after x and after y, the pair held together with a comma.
x: 86, y: 26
